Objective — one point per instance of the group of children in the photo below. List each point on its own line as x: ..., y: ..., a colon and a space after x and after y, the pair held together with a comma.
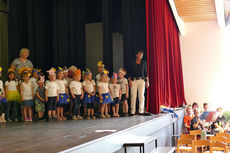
x: 67, y: 92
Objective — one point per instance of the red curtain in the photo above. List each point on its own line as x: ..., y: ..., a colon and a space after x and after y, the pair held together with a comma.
x: 163, y: 57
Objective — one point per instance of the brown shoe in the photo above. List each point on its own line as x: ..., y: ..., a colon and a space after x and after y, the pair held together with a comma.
x: 74, y: 118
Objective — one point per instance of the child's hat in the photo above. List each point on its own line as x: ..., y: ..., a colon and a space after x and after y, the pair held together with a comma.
x: 0, y: 69
x: 25, y: 71
x: 77, y: 73
x: 51, y: 71
x: 122, y: 70
x: 105, y: 72
x: 87, y: 71
x: 65, y: 69
x: 100, y: 63
x: 36, y: 71
x: 42, y: 79
x: 114, y: 76
x: 10, y: 70
x: 59, y: 69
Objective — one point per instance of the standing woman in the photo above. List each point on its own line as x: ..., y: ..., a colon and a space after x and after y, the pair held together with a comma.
x: 21, y: 62
x: 138, y: 80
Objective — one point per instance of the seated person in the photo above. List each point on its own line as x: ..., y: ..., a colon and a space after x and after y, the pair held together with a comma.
x: 196, y: 123
x: 219, y: 123
x: 194, y: 107
x: 205, y: 108
x: 204, y: 113
x: 187, y: 119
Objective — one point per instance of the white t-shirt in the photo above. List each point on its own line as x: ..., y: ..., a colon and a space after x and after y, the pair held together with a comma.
x: 115, y: 89
x: 104, y: 87
x: 11, y: 85
x: 76, y: 87
x: 89, y: 85
x: 68, y: 80
x: 1, y: 87
x: 51, y: 87
x: 27, y: 91
x: 34, y: 83
x: 123, y: 82
x: 61, y: 84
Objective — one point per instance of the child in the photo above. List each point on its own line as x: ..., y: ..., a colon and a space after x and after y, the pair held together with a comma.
x: 27, y: 93
x: 51, y: 95
x: 12, y: 95
x: 40, y: 98
x: 123, y: 82
x: 115, y: 94
x: 77, y: 94
x: 89, y: 87
x: 100, y: 68
x: 3, y: 101
x: 63, y: 97
x: 104, y: 94
x: 34, y: 78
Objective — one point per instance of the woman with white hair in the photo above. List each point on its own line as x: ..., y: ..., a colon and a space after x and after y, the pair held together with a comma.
x: 21, y: 62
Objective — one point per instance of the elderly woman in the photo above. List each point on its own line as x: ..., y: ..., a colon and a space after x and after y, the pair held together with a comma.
x: 22, y: 61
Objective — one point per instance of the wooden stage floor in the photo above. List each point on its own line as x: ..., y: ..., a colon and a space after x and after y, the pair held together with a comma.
x: 49, y: 137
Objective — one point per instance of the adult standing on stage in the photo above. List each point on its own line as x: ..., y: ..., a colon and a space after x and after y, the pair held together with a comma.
x: 22, y: 61
x: 138, y: 80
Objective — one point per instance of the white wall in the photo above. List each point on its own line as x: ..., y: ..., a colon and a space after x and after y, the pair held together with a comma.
x: 205, y: 50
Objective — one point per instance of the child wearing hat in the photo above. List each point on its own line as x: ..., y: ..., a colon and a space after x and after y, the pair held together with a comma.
x: 89, y: 87
x: 104, y: 94
x: 13, y: 96
x: 63, y: 94
x: 115, y: 94
x: 77, y: 94
x: 27, y: 93
x: 123, y: 82
x: 52, y: 95
x: 3, y: 101
x: 40, y: 98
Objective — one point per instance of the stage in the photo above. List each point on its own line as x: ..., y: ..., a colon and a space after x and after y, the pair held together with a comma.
x: 80, y: 136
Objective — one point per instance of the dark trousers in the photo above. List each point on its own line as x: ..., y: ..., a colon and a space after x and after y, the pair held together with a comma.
x: 76, y: 105
x: 12, y: 110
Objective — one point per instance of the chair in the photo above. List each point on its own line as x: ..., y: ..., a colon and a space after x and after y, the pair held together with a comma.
x: 221, y: 145
x: 183, y: 145
x: 187, y: 136
x: 226, y: 135
x: 196, y: 133
x: 227, y: 141
x: 200, y: 144
x: 218, y: 139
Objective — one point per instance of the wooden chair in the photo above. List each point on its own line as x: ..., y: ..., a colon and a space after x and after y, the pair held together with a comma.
x: 187, y: 136
x: 221, y: 145
x: 227, y: 141
x: 183, y: 145
x: 196, y: 133
x: 200, y: 144
x: 226, y: 135
x: 217, y: 139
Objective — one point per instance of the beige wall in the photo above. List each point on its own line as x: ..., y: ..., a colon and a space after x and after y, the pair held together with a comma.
x: 205, y: 52
x: 94, y: 45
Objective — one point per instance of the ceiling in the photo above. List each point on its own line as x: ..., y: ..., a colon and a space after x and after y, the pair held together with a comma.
x: 196, y: 10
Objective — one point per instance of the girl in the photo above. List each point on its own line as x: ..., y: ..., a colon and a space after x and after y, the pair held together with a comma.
x: 27, y: 93
x: 115, y: 94
x: 77, y: 94
x: 104, y: 94
x: 123, y: 82
x: 51, y: 95
x: 34, y: 78
x: 89, y: 87
x: 12, y: 95
x: 63, y: 97
x: 40, y: 98
x: 3, y: 101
